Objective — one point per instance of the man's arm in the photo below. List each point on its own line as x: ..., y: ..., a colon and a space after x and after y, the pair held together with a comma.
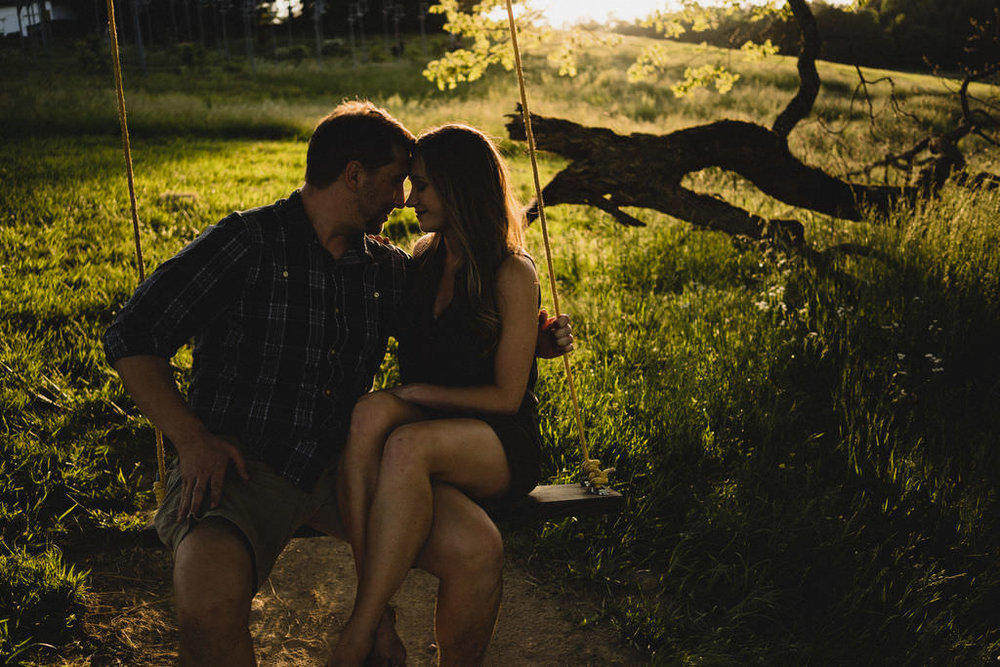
x: 184, y: 293
x: 204, y: 457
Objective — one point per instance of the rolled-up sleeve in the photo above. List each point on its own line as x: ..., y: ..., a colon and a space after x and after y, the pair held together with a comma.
x: 184, y: 294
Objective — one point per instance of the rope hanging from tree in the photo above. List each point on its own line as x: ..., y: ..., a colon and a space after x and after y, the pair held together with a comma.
x: 158, y: 487
x: 594, y: 476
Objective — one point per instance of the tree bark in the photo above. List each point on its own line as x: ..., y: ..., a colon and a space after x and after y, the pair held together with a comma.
x: 801, y: 105
x: 609, y: 171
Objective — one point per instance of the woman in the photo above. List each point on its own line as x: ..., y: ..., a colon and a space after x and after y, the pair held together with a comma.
x: 465, y: 415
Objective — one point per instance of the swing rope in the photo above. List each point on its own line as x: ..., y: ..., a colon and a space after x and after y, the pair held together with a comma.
x: 158, y: 487
x: 595, y: 477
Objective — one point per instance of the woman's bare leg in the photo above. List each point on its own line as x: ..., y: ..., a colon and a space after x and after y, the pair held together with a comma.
x: 373, y: 419
x: 465, y: 453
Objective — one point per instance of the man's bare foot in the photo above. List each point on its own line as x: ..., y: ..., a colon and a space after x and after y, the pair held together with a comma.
x: 388, y: 650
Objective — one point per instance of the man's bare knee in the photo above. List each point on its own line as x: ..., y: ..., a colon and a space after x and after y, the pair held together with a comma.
x: 465, y: 542
x: 213, y: 578
x: 481, y: 556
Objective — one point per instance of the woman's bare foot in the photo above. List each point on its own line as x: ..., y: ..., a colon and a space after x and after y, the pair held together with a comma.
x: 388, y: 650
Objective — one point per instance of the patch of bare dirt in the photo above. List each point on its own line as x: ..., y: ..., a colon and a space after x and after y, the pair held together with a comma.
x: 306, y: 601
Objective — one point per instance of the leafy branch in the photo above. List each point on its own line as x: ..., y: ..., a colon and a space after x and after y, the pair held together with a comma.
x: 483, y: 31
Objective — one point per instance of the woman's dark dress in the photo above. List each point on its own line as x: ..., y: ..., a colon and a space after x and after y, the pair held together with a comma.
x: 447, y: 351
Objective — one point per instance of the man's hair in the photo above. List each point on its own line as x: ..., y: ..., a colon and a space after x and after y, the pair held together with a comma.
x: 356, y: 130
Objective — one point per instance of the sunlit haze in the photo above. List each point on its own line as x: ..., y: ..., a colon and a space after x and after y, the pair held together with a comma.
x: 562, y: 12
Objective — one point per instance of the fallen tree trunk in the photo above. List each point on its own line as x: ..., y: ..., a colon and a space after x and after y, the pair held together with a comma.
x: 609, y: 171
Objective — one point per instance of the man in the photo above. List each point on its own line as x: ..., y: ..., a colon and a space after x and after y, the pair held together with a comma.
x: 290, y: 306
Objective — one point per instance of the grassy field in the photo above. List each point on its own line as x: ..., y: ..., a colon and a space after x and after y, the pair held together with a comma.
x: 809, y: 453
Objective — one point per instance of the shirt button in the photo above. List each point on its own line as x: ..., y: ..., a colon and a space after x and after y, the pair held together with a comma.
x: 284, y: 274
x: 375, y: 295
x: 333, y: 351
x: 328, y: 392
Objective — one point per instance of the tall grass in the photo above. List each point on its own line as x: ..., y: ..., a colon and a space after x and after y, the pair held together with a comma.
x: 807, y: 449
x: 808, y: 454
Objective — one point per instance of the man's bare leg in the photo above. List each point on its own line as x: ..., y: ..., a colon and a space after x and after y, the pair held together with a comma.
x: 465, y: 553
x: 213, y: 587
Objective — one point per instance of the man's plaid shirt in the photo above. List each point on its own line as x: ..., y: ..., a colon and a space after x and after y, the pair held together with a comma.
x: 286, y: 338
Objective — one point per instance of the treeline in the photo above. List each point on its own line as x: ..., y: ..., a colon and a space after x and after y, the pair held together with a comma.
x: 216, y: 23
x: 909, y: 34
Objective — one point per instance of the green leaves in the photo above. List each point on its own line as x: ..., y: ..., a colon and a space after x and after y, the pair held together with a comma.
x: 758, y: 52
x: 702, y: 77
x: 484, y: 32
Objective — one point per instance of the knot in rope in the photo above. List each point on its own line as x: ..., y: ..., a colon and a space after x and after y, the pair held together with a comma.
x: 595, y: 478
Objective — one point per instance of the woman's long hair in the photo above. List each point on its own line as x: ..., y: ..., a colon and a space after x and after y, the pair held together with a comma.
x: 482, y: 216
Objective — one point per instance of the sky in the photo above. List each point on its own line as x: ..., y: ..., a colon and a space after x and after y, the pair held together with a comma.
x: 560, y: 12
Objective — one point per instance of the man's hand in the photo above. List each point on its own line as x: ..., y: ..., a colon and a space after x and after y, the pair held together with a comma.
x: 203, y: 465
x: 204, y: 457
x: 384, y: 240
x: 555, y: 335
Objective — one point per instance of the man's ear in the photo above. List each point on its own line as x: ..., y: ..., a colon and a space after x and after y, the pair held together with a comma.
x: 353, y: 173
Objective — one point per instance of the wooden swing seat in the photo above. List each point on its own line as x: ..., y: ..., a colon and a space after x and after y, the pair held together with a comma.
x: 545, y: 503
x: 558, y: 501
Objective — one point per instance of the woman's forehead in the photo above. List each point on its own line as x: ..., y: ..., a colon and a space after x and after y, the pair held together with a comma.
x: 417, y: 167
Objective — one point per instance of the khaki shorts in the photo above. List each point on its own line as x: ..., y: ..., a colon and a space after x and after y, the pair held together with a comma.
x: 266, y: 508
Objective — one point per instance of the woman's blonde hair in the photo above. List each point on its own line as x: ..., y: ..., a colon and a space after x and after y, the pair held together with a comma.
x: 482, y: 215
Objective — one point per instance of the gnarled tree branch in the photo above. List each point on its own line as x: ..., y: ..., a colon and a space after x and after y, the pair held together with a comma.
x: 609, y: 171
x: 801, y: 105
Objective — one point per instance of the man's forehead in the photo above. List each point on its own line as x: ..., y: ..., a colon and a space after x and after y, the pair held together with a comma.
x: 400, y: 166
x: 406, y: 161
x: 393, y: 171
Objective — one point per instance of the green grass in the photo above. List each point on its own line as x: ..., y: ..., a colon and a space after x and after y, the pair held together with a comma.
x: 808, y: 453
x: 808, y: 457
x: 43, y: 595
